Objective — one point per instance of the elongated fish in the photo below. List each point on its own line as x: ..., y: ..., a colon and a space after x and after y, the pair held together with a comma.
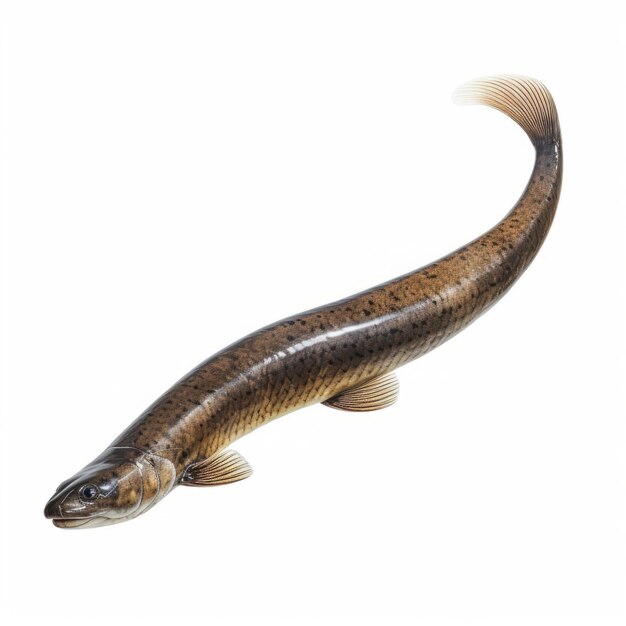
x: 342, y: 354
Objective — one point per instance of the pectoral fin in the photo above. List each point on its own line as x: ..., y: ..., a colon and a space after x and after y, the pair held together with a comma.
x: 222, y: 468
x: 372, y: 395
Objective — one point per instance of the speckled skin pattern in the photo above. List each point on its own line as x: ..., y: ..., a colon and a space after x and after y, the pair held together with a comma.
x: 312, y: 356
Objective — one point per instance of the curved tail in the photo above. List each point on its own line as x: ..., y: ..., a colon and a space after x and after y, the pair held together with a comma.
x: 523, y: 99
x: 488, y: 266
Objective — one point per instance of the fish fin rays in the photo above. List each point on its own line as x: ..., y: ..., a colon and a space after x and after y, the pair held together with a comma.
x: 222, y: 468
x: 377, y: 393
x: 523, y: 99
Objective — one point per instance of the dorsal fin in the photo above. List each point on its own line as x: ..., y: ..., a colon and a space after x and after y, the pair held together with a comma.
x: 377, y: 393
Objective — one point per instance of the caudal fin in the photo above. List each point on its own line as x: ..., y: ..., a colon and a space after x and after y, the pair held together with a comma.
x: 523, y: 99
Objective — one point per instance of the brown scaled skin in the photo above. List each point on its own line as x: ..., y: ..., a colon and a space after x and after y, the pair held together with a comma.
x: 316, y: 355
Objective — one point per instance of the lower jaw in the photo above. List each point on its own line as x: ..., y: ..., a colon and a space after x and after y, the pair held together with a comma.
x: 77, y: 522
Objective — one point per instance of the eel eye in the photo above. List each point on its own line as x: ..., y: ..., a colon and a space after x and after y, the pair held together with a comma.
x: 89, y: 492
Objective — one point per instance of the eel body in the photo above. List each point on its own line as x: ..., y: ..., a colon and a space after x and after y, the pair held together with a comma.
x: 342, y: 354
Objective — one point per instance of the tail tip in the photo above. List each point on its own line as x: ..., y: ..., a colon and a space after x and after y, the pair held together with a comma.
x: 525, y: 100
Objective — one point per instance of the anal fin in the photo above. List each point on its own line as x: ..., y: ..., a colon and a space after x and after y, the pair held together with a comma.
x: 222, y: 468
x: 377, y: 393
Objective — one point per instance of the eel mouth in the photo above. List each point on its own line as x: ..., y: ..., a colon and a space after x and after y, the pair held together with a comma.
x: 74, y: 522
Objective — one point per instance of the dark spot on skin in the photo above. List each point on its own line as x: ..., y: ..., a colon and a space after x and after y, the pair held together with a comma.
x: 366, y: 312
x: 413, y: 325
x: 290, y: 337
x: 463, y: 257
x: 370, y: 302
x: 291, y: 323
x: 302, y: 322
x: 322, y: 327
x: 393, y: 331
x: 432, y: 276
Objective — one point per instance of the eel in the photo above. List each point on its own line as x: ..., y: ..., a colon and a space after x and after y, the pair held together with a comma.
x: 341, y: 354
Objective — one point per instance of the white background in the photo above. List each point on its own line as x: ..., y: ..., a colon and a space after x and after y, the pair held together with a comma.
x: 177, y: 175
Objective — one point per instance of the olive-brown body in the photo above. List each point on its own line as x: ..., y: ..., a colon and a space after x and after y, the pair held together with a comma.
x: 311, y: 357
x: 314, y: 356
